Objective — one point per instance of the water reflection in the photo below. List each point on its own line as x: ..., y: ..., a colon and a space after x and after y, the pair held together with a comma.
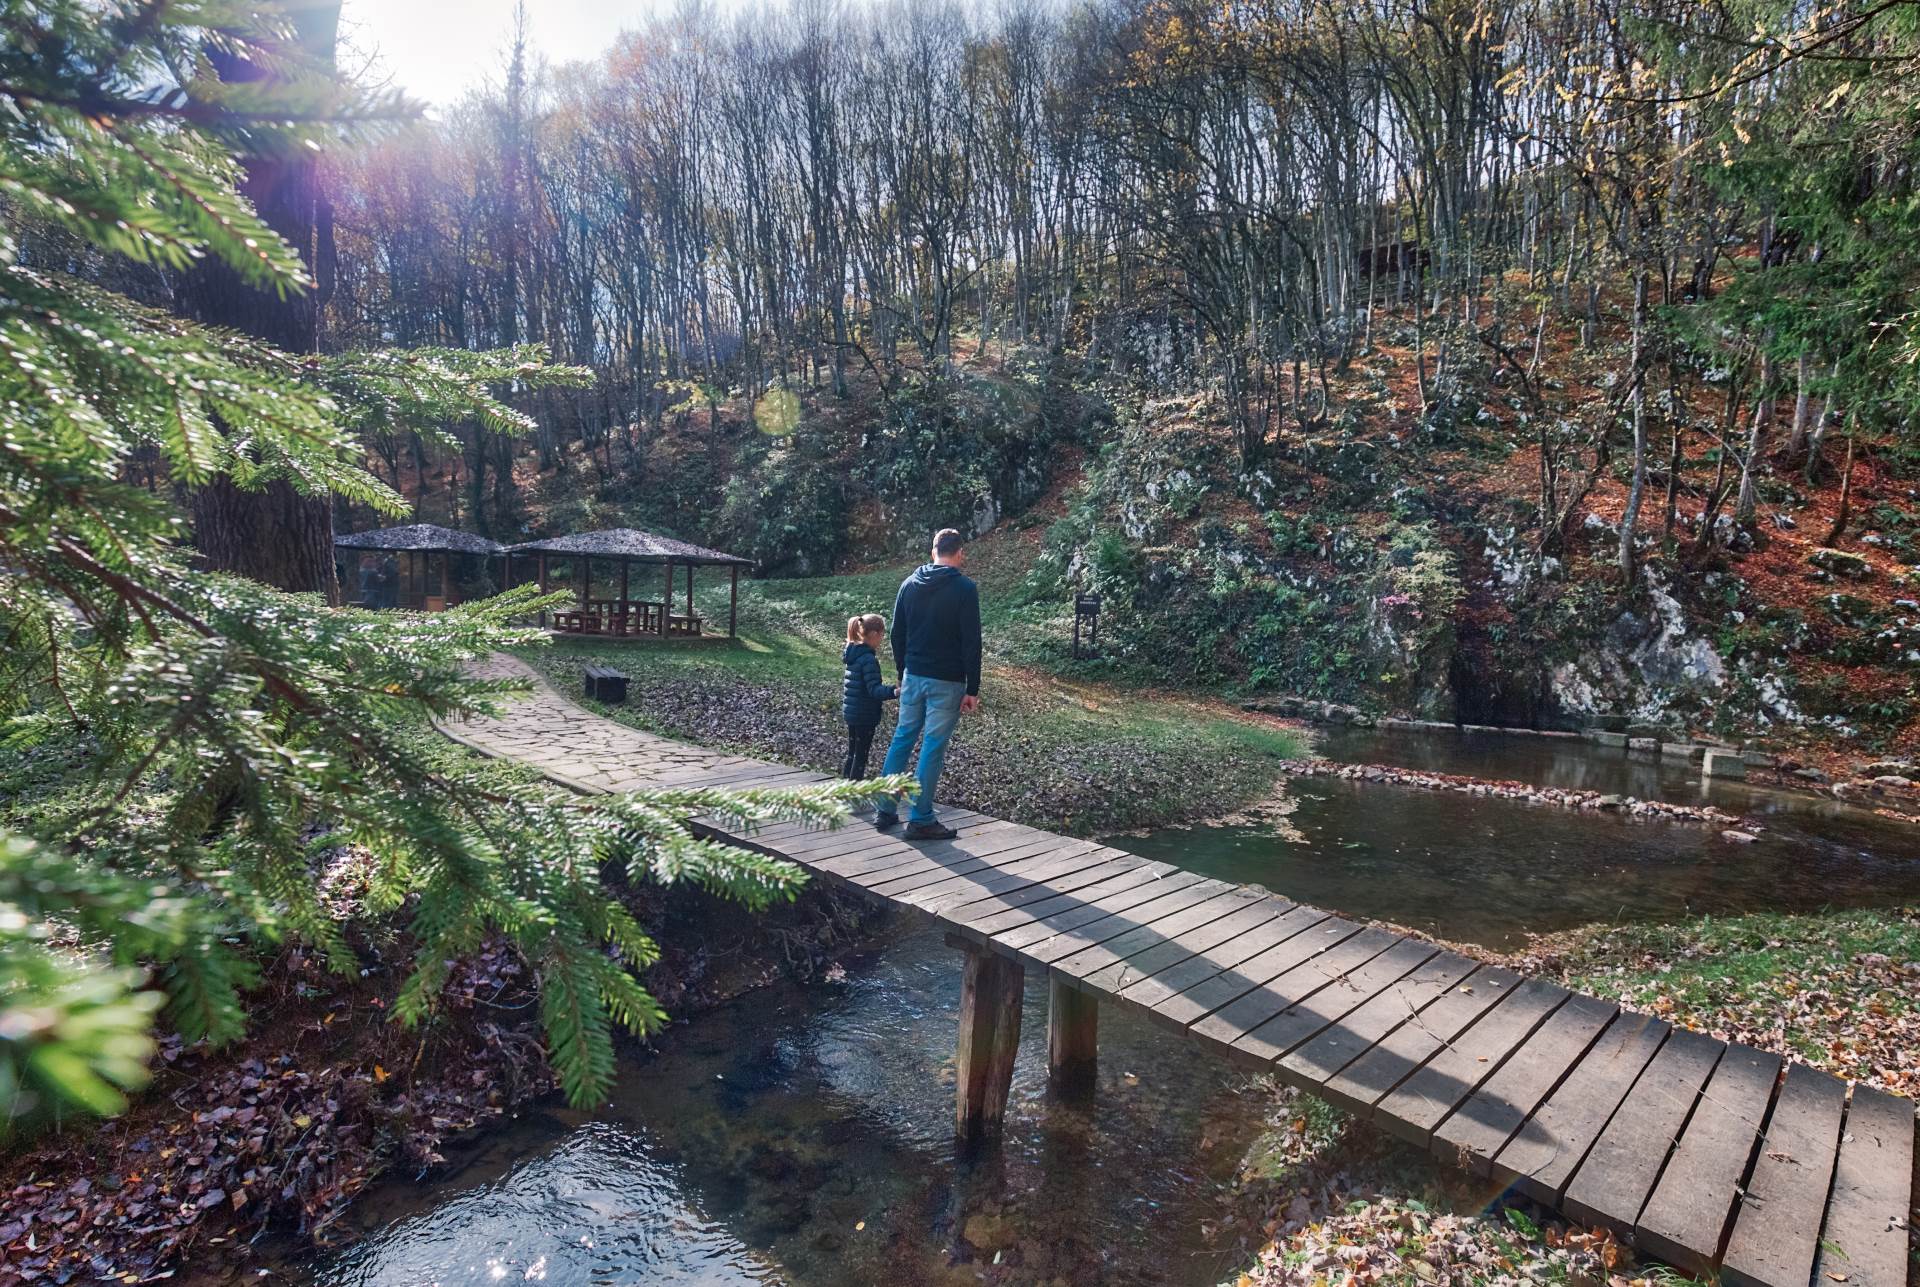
x: 803, y: 1136
x: 1477, y: 869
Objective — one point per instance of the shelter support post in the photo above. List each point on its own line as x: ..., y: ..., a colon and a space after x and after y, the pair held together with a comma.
x: 586, y: 582
x: 621, y: 613
x: 733, y: 605
x: 543, y: 588
x: 666, y: 611
x: 990, y: 994
x: 1073, y: 1029
x: 690, y: 612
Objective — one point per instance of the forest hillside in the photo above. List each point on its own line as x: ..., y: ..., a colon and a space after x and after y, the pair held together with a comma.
x: 1507, y: 364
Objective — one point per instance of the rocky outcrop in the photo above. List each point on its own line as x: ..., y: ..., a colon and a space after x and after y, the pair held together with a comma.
x: 1841, y: 563
x: 1652, y: 665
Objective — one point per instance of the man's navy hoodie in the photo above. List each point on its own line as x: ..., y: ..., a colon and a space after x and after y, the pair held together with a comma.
x: 936, y: 626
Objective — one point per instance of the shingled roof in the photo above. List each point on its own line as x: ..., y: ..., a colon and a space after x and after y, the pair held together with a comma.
x: 419, y: 536
x: 628, y: 543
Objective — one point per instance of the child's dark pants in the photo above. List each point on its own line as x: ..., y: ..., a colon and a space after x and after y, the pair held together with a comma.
x: 859, y: 745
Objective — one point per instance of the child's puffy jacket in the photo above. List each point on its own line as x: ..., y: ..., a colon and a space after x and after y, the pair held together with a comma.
x: 861, y: 688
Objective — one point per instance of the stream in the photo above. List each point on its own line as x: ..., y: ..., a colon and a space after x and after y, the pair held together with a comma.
x: 1478, y: 869
x: 804, y: 1136
x: 801, y: 1135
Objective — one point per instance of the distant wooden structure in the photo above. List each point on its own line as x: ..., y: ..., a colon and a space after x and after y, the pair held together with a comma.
x: 623, y: 616
x: 417, y: 578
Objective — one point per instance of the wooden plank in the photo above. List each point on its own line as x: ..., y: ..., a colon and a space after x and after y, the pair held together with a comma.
x: 1864, y: 1240
x: 1339, y: 1044
x: 1011, y: 870
x: 1234, y: 1022
x: 1185, y: 1009
x: 841, y: 846
x: 811, y: 843
x: 1612, y: 1185
x: 1481, y: 1126
x: 1038, y: 933
x: 987, y: 922
x: 1419, y: 1104
x: 1311, y: 1015
x: 1123, y: 974
x: 1111, y: 864
x: 1373, y: 1075
x: 1687, y: 1216
x: 1141, y: 938
x: 980, y: 918
x: 1250, y: 1009
x: 1094, y: 932
x: 1085, y: 869
x: 1014, y: 869
x: 1776, y: 1227
x: 1543, y: 1156
x: 1045, y: 874
x: 877, y: 867
x: 1164, y: 984
x: 797, y: 833
x: 938, y: 875
x: 891, y: 854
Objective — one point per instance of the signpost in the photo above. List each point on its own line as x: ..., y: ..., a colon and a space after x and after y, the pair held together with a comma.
x: 1086, y: 626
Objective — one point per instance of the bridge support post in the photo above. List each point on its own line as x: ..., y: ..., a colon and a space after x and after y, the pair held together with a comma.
x: 990, y: 994
x: 1073, y: 1028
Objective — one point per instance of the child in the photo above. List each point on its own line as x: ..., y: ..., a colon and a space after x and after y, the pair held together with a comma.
x: 861, y: 691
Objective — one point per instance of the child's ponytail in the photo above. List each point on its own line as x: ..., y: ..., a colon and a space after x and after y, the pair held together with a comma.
x: 858, y: 628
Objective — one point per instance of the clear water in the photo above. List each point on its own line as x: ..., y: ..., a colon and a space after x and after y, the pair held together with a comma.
x: 804, y: 1136
x: 801, y: 1136
x: 1481, y: 870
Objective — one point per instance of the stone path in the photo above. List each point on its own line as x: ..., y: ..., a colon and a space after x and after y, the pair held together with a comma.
x: 1708, y: 1155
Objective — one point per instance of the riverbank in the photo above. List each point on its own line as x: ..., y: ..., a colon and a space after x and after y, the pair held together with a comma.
x: 283, y: 1130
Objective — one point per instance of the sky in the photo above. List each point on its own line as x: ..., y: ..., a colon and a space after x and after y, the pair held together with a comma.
x: 438, y: 49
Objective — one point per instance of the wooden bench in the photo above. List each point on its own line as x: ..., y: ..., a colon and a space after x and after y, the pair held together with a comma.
x: 605, y: 684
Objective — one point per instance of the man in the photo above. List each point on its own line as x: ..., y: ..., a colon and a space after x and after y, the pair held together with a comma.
x: 936, y: 651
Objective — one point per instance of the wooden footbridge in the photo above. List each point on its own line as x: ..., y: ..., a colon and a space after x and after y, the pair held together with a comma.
x: 1713, y: 1157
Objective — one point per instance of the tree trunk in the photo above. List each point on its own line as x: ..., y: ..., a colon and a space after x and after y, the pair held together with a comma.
x: 1840, y: 519
x: 1630, y: 520
x: 275, y: 534
x: 1748, y: 503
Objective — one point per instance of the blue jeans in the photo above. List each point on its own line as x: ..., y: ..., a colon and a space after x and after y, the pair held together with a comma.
x: 929, y: 708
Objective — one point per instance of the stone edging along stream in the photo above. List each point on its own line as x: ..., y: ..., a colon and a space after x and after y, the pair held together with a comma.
x: 1566, y: 798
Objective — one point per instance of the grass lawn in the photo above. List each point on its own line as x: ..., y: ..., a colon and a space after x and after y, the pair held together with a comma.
x: 1046, y: 748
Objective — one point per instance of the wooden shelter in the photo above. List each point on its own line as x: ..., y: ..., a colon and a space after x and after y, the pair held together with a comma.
x: 398, y: 567
x: 621, y: 614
